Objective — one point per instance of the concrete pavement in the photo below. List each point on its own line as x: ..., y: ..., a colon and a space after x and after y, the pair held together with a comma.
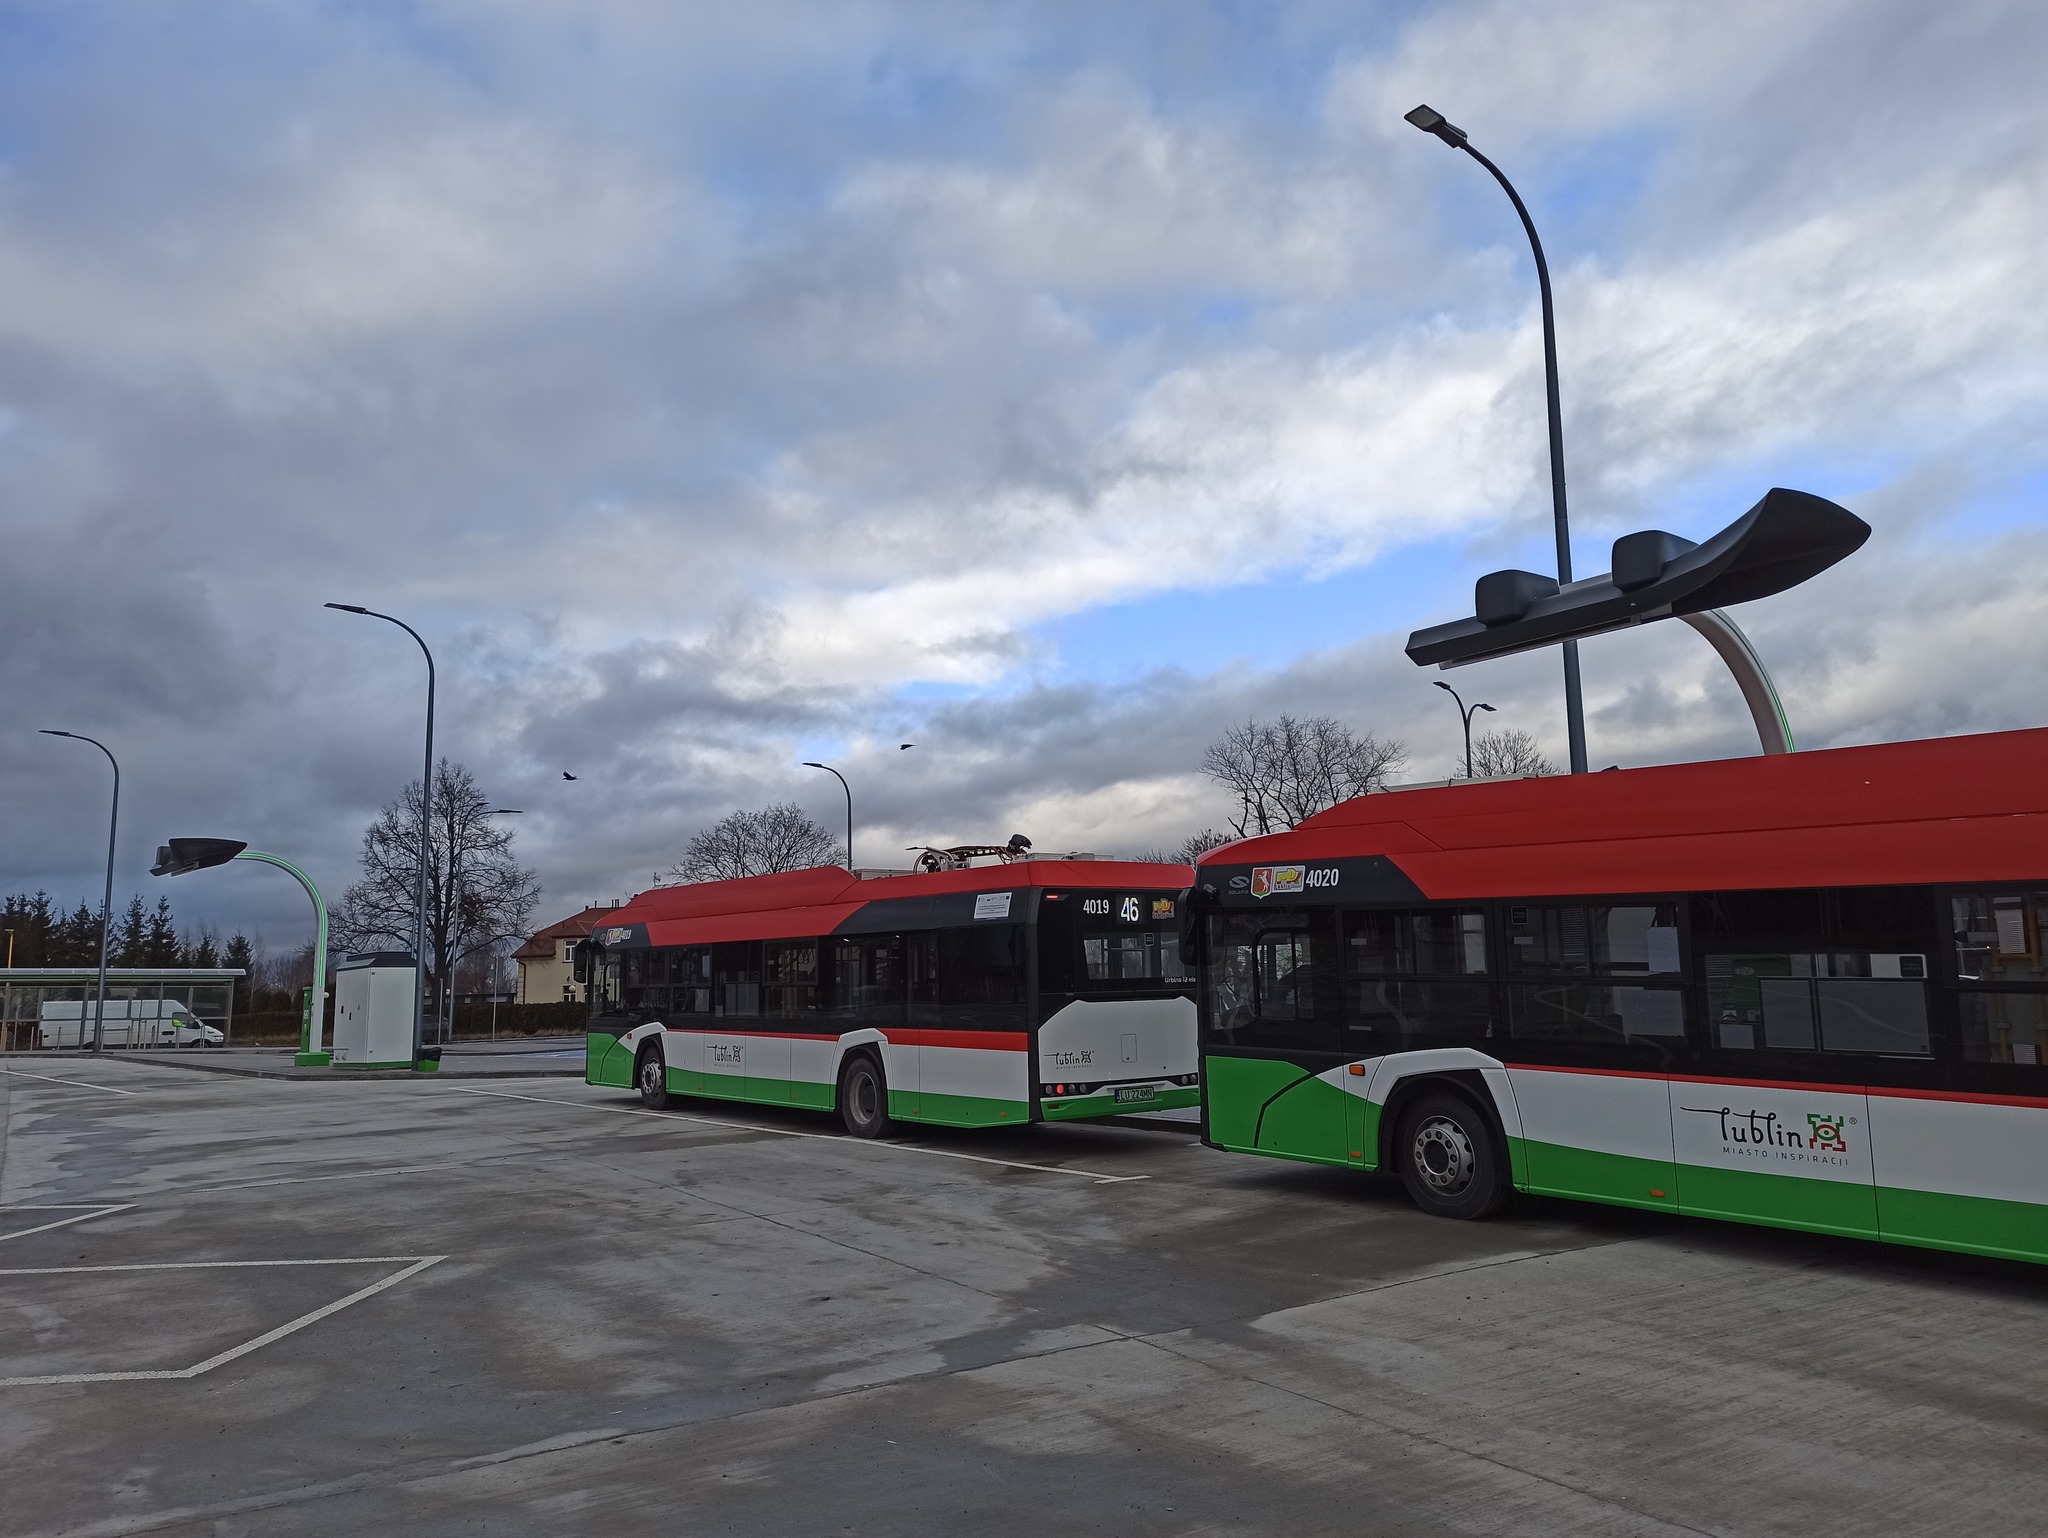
x: 560, y: 1314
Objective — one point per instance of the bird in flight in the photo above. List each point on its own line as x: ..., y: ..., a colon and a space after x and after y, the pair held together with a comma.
x: 567, y: 775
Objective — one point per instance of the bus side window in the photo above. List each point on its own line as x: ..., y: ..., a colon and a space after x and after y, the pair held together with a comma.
x: 2002, y: 977
x: 981, y: 977
x: 1820, y: 970
x: 1596, y: 973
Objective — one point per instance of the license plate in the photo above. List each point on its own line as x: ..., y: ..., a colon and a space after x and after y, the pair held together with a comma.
x: 1134, y: 1095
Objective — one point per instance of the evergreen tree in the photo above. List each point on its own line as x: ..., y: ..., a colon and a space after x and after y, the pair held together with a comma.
x: 160, y: 946
x: 205, y: 953
x: 131, y: 935
x: 76, y: 940
x: 239, y: 953
x: 28, y: 920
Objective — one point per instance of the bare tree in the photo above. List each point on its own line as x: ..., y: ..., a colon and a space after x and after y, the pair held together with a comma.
x: 476, y: 889
x: 1195, y: 845
x: 1290, y: 768
x: 776, y: 838
x: 1507, y: 752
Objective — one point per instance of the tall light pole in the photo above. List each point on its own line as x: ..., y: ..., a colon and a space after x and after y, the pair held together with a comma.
x: 99, y: 1018
x: 849, y: 803
x: 419, y: 984
x: 1466, y: 713
x: 1430, y: 121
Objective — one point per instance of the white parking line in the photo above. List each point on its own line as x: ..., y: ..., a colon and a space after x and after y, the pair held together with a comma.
x: 104, y: 1089
x: 80, y: 1208
x: 419, y: 1264
x: 831, y: 1137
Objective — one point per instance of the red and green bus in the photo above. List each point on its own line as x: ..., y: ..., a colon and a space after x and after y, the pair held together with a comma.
x: 1034, y: 990
x: 1808, y: 990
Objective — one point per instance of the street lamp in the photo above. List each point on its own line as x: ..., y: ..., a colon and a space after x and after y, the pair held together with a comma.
x: 99, y: 1018
x: 849, y: 802
x: 181, y: 855
x: 1431, y: 121
x: 1467, y: 715
x: 419, y: 984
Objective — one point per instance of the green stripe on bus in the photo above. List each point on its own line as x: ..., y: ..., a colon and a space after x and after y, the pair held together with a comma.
x: 1554, y: 1169
x: 607, y: 1060
x: 1982, y: 1225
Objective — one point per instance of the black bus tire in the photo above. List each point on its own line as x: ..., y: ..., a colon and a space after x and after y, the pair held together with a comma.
x: 1449, y: 1157
x: 650, y: 1075
x: 864, y: 1096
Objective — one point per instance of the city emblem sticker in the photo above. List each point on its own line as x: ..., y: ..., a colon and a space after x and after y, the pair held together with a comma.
x: 1272, y: 880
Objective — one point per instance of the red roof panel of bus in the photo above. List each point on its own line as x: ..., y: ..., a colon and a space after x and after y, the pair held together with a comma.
x: 819, y: 900
x: 1948, y: 809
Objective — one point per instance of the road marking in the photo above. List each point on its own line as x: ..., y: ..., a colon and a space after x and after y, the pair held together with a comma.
x: 830, y: 1137
x: 419, y: 1264
x: 104, y: 1089
x: 89, y: 1212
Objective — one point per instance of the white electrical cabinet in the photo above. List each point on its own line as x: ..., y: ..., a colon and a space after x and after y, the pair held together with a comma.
x: 373, y: 1009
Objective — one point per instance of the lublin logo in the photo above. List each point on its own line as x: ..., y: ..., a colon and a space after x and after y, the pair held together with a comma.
x: 614, y: 935
x: 1758, y: 1134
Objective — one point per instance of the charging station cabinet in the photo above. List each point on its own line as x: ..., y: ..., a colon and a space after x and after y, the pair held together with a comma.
x: 373, y: 1009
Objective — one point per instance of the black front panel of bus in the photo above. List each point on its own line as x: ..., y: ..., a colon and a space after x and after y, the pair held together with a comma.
x: 1907, y: 986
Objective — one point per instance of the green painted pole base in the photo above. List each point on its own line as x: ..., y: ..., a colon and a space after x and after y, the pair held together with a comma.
x: 427, y: 1065
x: 313, y: 1059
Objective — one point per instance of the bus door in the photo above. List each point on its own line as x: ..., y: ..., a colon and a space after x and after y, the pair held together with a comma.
x: 1784, y: 1137
x: 1596, y: 1012
x: 1273, y: 1035
x: 730, y: 1048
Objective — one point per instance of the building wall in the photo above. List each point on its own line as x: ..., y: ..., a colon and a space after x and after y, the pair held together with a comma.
x: 542, y: 981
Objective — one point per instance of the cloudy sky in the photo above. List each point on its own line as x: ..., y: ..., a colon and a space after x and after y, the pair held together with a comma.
x: 718, y: 387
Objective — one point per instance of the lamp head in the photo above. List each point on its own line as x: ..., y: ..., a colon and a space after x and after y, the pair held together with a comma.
x: 1487, y: 708
x: 1444, y: 686
x: 187, y: 854
x: 506, y: 811
x: 50, y: 731
x: 902, y: 745
x: 347, y: 608
x: 809, y: 765
x: 1431, y: 121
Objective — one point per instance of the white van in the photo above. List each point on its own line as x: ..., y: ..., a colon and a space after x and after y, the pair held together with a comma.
x: 129, y: 1023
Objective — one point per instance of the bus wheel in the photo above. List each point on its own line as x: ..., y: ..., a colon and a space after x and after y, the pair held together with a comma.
x: 864, y: 1097
x: 651, y: 1074
x: 1447, y: 1157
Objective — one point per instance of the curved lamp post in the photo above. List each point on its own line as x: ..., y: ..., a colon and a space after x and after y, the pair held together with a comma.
x: 849, y: 802
x: 1466, y: 712
x: 99, y: 1018
x: 419, y: 986
x: 1430, y: 121
x: 189, y: 854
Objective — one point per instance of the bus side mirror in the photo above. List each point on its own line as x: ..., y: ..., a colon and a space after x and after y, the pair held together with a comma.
x: 579, y: 960
x: 1190, y: 929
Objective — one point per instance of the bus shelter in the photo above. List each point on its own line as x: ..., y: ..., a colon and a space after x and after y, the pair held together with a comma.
x: 45, y: 1007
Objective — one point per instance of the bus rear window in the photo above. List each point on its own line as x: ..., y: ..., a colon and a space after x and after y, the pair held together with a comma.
x: 1093, y: 940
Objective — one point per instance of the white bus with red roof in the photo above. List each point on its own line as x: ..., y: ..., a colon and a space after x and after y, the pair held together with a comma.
x: 1033, y: 990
